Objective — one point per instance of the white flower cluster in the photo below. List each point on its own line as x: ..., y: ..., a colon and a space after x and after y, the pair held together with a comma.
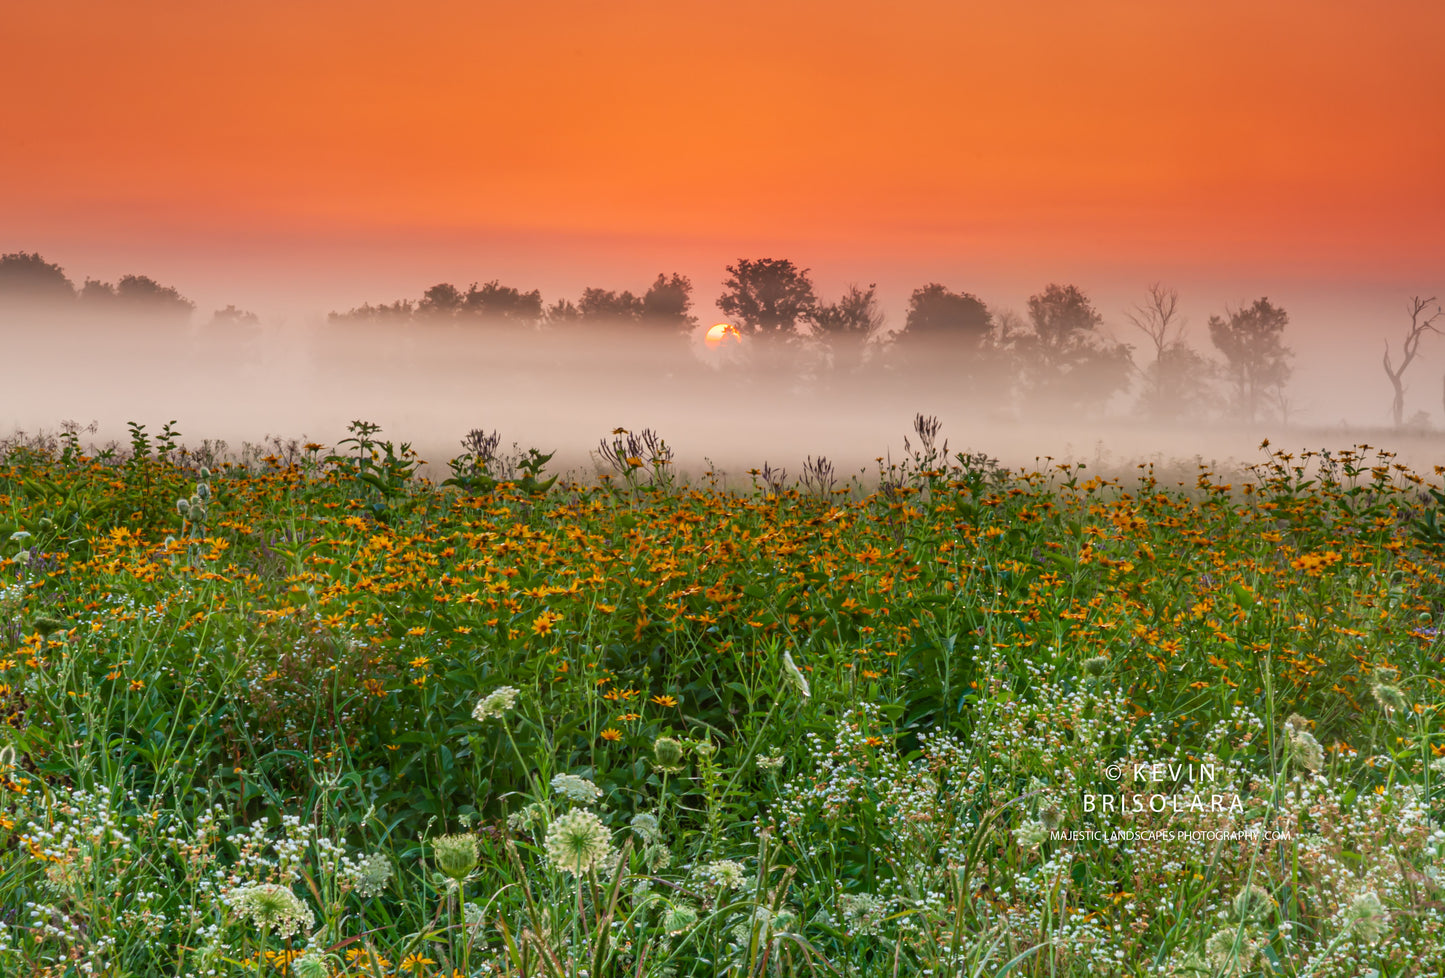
x: 575, y: 788
x: 578, y: 842
x: 495, y: 704
x: 366, y: 876
x: 272, y: 908
x: 725, y: 874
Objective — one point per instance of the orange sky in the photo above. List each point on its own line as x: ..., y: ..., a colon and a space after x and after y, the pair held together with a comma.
x: 1298, y: 134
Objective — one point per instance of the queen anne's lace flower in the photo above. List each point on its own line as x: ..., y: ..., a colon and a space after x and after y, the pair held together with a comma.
x: 456, y: 855
x: 272, y: 907
x: 578, y: 841
x: 725, y: 874
x: 1368, y: 918
x: 495, y: 703
x: 575, y: 788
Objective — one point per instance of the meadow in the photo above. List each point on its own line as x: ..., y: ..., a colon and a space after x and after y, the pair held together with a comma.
x: 298, y: 710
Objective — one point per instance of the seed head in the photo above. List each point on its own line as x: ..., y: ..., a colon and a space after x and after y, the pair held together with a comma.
x: 862, y: 912
x: 794, y: 677
x: 369, y: 876
x: 456, y: 855
x: 531, y: 816
x: 1094, y: 666
x: 1367, y: 917
x: 657, y: 857
x: 1228, y: 948
x: 310, y: 965
x: 1252, y: 903
x: 1031, y: 834
x: 578, y: 841
x: 667, y: 754
x: 646, y: 827
x: 272, y: 907
x: 1306, y: 749
x: 1390, y: 698
x: 679, y: 917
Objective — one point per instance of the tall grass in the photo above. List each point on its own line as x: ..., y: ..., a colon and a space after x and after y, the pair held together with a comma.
x: 304, y: 712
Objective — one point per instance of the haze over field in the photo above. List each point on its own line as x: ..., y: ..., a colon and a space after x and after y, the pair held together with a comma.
x: 363, y: 153
x: 565, y: 389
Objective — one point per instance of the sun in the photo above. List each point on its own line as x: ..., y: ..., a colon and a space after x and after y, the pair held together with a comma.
x: 722, y: 333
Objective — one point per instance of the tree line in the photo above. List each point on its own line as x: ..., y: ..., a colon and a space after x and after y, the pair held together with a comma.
x: 1055, y: 356
x: 1058, y: 356
x: 28, y: 279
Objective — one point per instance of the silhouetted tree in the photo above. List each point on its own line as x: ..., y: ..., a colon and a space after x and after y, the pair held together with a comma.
x: 28, y: 278
x: 97, y: 294
x: 848, y: 325
x: 768, y: 296
x: 560, y: 313
x: 606, y: 306
x: 233, y: 317
x: 1256, y: 359
x: 667, y: 304
x: 138, y: 295
x: 1422, y: 321
x: 937, y: 315
x: 500, y: 302
x: 398, y: 313
x: 441, y: 301
x: 1067, y: 362
x: 1176, y: 380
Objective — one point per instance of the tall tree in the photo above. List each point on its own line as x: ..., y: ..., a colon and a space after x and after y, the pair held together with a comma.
x: 398, y: 313
x: 28, y: 278
x: 848, y: 325
x: 138, y: 295
x: 1068, y: 362
x: 1176, y: 379
x: 494, y: 301
x: 606, y: 306
x: 1422, y: 321
x: 441, y: 301
x: 561, y: 313
x: 936, y: 315
x: 1256, y: 359
x: 768, y: 297
x: 668, y: 303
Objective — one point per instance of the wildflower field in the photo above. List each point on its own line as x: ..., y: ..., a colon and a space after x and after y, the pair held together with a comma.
x: 299, y: 711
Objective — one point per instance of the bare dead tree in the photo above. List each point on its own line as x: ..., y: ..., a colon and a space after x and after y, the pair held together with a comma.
x: 1422, y: 321
x: 1158, y: 318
